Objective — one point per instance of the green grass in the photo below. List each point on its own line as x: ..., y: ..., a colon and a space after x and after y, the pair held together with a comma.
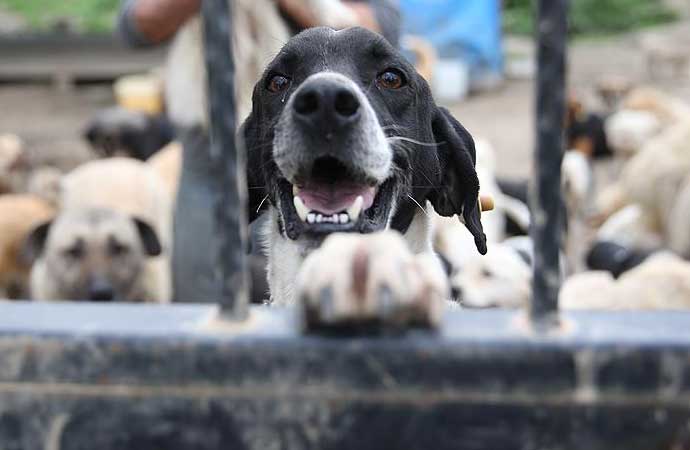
x: 592, y: 17
x: 586, y: 16
x: 89, y: 16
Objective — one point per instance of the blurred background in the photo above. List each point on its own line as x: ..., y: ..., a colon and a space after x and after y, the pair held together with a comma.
x: 58, y: 60
x: 63, y: 62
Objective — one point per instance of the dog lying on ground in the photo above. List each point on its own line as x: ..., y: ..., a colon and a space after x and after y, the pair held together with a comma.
x: 654, y: 180
x: 615, y: 258
x: 585, y: 131
x: 19, y: 214
x: 18, y: 175
x: 344, y: 136
x: 655, y: 176
x: 115, y: 217
x: 661, y: 282
x: 118, y: 131
x: 643, y: 114
x: 499, y: 279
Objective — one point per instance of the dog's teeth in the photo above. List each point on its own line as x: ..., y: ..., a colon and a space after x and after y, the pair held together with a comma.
x: 295, y: 190
x: 356, y: 208
x: 344, y: 218
x: 311, y: 218
x: 301, y: 209
x: 319, y: 218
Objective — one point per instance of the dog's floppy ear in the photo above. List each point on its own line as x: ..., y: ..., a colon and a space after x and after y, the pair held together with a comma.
x: 149, y: 237
x: 35, y: 243
x: 458, y: 192
x: 249, y: 142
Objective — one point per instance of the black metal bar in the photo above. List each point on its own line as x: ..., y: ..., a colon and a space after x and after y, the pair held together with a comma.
x: 545, y: 198
x: 231, y: 201
x: 107, y: 377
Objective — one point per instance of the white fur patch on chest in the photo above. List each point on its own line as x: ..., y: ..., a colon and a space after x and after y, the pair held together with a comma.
x: 285, y: 256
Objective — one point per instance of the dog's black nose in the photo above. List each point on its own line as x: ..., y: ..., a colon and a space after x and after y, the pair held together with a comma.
x: 101, y: 291
x: 326, y: 105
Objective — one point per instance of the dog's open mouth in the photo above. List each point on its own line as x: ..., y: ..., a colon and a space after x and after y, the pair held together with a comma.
x: 334, y: 197
x: 340, y: 202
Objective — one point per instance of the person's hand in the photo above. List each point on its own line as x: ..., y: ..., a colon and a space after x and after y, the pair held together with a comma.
x: 333, y: 13
x: 365, y: 15
x: 158, y: 20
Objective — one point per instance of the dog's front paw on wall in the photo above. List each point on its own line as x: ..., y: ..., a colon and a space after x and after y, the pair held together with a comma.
x: 358, y: 281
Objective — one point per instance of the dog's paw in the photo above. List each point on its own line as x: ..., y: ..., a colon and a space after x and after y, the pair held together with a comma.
x: 371, y: 279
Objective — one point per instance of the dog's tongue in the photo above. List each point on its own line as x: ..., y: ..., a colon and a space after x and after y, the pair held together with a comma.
x: 331, y: 198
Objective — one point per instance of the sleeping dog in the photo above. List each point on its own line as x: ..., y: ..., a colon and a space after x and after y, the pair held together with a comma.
x: 344, y: 136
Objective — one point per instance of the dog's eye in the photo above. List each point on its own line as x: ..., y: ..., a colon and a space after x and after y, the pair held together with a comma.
x: 75, y: 252
x: 117, y: 249
x: 391, y: 79
x: 278, y: 83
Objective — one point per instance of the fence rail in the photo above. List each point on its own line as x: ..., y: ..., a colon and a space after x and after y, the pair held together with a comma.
x: 80, y: 376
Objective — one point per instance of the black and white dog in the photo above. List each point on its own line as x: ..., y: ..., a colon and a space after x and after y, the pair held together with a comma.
x: 344, y: 136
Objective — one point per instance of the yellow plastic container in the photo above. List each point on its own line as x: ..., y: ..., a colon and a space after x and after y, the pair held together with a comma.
x: 140, y: 93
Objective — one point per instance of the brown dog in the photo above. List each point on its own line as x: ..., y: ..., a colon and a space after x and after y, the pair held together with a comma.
x: 19, y: 214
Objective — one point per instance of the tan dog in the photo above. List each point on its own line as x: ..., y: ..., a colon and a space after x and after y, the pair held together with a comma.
x: 167, y: 163
x: 644, y: 113
x: 19, y: 214
x: 45, y: 182
x: 93, y: 254
x: 123, y: 184
x: 134, y: 189
x: 661, y: 282
x: 19, y: 175
x: 655, y: 176
x: 12, y: 160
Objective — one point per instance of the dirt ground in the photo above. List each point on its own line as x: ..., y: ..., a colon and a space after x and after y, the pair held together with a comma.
x: 51, y: 122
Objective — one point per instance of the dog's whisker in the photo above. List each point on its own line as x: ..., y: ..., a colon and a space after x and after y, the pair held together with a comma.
x: 417, y: 203
x: 431, y: 183
x: 413, y: 141
x: 261, y: 204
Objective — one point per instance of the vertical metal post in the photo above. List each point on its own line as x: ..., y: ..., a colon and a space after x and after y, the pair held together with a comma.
x: 230, y: 209
x: 545, y: 194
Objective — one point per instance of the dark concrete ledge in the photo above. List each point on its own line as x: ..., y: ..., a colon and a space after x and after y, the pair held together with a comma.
x: 89, y: 376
